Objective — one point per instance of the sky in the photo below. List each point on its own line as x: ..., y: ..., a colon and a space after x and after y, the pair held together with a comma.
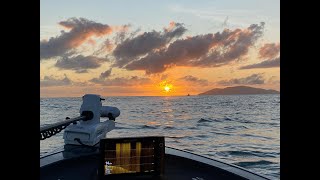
x: 157, y: 48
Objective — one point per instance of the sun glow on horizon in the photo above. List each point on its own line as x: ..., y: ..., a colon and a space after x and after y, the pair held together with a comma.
x: 166, y: 86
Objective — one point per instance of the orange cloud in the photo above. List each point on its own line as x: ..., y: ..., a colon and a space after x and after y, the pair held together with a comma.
x: 172, y: 24
x: 131, y: 48
x: 80, y: 31
x: 209, y: 50
x: 270, y: 50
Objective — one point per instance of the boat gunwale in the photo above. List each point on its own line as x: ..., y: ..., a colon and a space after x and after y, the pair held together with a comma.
x: 231, y: 168
x: 197, y: 157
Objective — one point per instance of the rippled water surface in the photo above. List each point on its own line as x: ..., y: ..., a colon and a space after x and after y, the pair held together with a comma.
x: 243, y: 130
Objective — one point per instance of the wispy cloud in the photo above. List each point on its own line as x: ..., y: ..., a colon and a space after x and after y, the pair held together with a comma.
x: 122, y: 81
x: 250, y: 80
x: 106, y: 47
x: 194, y: 80
x: 106, y: 74
x: 48, y: 81
x: 102, y: 77
x: 264, y: 64
x: 274, y: 80
x: 240, y: 17
x: 80, y: 63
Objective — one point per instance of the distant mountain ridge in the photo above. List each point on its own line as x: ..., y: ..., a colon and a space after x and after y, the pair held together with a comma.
x: 237, y: 90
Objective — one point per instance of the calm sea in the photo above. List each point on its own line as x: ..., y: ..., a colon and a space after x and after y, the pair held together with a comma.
x: 243, y: 130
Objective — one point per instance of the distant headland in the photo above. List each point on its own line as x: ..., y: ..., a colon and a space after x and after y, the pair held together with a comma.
x: 237, y: 90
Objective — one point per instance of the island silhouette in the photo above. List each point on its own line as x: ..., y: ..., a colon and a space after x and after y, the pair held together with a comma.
x: 237, y: 90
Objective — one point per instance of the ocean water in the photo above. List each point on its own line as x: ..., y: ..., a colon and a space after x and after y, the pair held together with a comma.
x: 240, y: 129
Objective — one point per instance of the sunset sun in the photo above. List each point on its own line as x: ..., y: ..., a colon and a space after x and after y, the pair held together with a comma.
x: 167, y: 88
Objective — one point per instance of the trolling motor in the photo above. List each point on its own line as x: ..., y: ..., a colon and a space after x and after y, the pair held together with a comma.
x: 90, y: 131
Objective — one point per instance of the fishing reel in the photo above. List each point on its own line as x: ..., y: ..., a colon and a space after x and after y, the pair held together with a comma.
x: 90, y: 131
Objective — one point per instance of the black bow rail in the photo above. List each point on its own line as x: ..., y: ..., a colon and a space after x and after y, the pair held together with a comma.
x: 52, y: 129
